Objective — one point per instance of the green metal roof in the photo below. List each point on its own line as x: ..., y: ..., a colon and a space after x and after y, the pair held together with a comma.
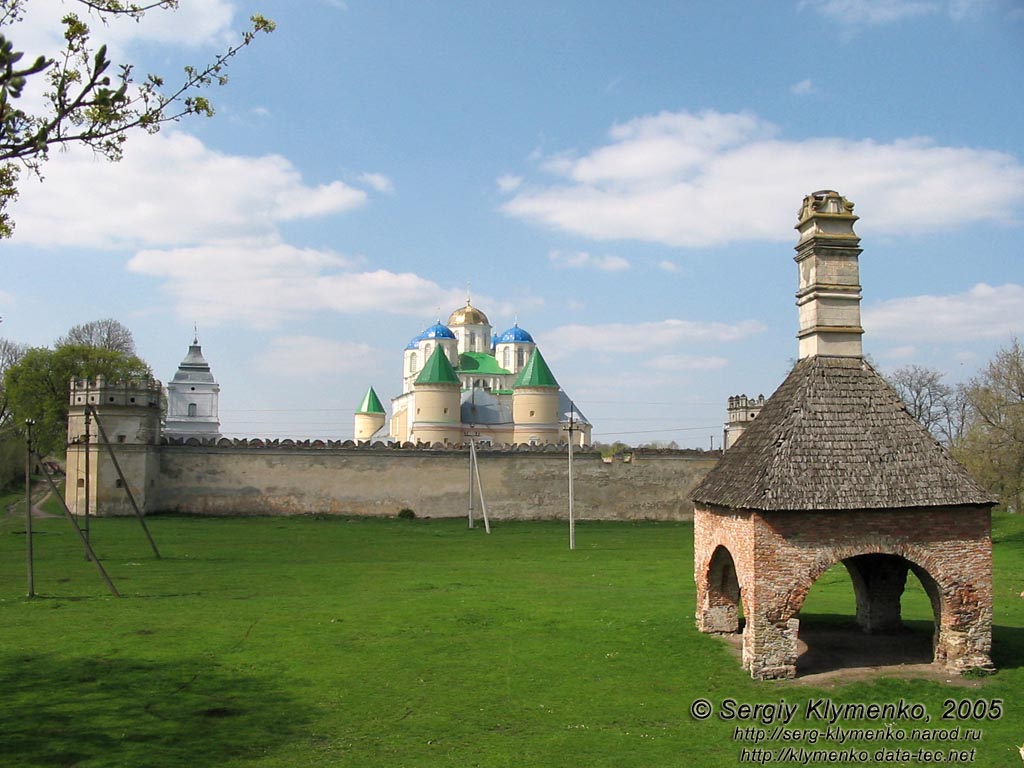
x: 536, y: 373
x: 438, y: 370
x: 371, y: 403
x: 480, y: 362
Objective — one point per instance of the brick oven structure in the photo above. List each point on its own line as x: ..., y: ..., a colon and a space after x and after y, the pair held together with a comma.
x: 834, y: 469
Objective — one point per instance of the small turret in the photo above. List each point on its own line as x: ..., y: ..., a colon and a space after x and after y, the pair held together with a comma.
x: 535, y: 404
x: 437, y: 418
x: 369, y: 416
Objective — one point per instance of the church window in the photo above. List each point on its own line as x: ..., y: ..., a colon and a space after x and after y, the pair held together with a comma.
x: 506, y: 357
x: 192, y: 410
x: 472, y: 340
x: 412, y: 363
x: 519, y: 358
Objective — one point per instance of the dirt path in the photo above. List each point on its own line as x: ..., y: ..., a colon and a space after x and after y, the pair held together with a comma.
x: 40, y: 494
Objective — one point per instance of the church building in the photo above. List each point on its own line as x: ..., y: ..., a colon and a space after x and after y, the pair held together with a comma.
x: 462, y: 380
x: 192, y: 398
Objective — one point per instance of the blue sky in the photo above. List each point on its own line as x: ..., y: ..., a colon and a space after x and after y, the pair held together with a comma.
x: 621, y: 179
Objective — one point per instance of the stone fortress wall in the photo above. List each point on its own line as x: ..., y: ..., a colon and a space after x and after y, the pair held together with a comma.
x: 239, y: 477
x: 221, y: 476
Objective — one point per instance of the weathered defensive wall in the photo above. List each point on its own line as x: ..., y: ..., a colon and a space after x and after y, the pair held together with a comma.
x: 233, y: 478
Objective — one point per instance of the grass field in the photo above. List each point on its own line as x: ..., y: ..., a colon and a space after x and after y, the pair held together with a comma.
x: 372, y: 642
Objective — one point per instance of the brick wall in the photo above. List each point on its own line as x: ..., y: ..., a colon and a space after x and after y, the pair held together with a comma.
x: 779, y: 555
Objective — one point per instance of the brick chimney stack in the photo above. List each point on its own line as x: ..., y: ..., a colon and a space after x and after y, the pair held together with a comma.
x: 830, y: 291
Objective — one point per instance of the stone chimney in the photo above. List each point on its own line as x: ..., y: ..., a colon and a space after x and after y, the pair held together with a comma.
x: 830, y: 292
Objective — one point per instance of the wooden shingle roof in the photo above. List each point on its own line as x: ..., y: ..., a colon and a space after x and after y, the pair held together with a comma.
x: 836, y: 436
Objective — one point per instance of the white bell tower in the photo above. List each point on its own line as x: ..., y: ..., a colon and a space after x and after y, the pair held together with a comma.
x: 192, y: 398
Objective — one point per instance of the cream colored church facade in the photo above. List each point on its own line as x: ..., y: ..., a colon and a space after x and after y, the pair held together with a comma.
x: 461, y: 380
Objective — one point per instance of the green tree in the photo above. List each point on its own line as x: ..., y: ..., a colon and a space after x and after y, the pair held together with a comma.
x: 12, y: 447
x: 992, y: 446
x: 89, y: 100
x: 38, y: 385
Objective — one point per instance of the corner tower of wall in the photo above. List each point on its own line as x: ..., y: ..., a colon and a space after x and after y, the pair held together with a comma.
x: 129, y: 414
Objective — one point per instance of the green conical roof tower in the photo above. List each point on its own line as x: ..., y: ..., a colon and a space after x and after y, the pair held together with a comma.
x: 536, y: 373
x: 370, y: 403
x: 438, y: 370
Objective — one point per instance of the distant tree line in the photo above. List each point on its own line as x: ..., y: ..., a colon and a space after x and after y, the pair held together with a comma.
x: 981, y: 421
x: 34, y: 384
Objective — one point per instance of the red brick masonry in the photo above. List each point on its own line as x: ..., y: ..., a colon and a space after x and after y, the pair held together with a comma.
x: 770, y: 560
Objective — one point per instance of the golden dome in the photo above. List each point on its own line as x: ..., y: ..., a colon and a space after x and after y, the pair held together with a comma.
x: 467, y: 315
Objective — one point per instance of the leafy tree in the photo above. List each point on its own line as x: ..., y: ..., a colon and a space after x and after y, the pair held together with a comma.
x: 938, y: 406
x: 10, y: 353
x: 101, y: 334
x: 38, y: 385
x: 88, y: 100
x: 992, y: 446
x: 12, y: 450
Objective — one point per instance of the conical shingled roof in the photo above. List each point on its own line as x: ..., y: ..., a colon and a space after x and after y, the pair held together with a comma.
x: 437, y: 370
x: 835, y: 436
x: 535, y: 373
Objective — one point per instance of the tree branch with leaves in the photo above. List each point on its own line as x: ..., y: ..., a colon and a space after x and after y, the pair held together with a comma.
x: 88, y: 100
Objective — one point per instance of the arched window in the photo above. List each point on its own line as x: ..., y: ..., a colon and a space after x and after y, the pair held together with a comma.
x: 472, y: 341
x: 412, y: 363
x: 506, y: 357
x: 192, y: 411
x: 519, y: 358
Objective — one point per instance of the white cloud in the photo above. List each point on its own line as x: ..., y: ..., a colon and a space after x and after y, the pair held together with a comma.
x: 168, y: 190
x: 803, y: 88
x: 306, y: 356
x: 508, y: 183
x: 697, y: 180
x: 194, y: 24
x: 377, y: 181
x: 983, y: 312
x: 263, y: 282
x: 856, y: 13
x: 686, y: 363
x: 584, y: 260
x: 871, y: 12
x: 668, y: 266
x: 907, y: 352
x: 643, y: 337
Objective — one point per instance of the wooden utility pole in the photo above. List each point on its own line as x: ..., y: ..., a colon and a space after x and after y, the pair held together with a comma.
x: 29, y: 452
x: 124, y: 480
x: 90, y: 555
x: 88, y: 418
x: 572, y: 520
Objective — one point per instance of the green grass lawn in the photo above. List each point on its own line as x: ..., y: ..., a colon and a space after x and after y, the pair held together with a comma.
x: 366, y: 642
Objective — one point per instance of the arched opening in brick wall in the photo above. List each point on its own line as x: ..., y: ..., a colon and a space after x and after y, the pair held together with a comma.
x: 868, y: 610
x: 721, y: 604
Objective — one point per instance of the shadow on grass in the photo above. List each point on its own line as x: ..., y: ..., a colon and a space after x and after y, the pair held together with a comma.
x: 1007, y: 647
x: 67, y: 711
x: 834, y: 642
